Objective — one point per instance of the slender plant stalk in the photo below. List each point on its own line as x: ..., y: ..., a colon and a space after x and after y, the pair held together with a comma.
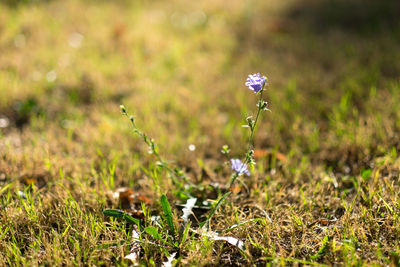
x: 252, y: 124
x: 250, y: 144
x: 176, y: 173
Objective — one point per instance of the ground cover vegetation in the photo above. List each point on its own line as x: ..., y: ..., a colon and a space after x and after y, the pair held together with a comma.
x: 78, y: 185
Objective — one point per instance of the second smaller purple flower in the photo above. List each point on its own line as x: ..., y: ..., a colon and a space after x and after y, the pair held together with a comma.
x: 239, y: 167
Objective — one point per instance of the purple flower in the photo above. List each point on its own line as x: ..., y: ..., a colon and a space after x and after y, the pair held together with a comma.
x: 239, y: 167
x: 255, y: 82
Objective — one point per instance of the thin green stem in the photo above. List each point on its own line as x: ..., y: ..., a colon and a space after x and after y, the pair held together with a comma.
x: 252, y: 124
x: 153, y: 148
x: 233, y: 179
x: 250, y: 144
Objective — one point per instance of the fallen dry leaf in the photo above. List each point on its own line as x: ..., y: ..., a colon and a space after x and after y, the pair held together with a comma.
x: 125, y: 199
x: 235, y: 189
x: 261, y: 153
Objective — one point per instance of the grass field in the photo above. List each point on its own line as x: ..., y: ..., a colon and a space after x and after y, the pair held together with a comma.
x: 324, y: 191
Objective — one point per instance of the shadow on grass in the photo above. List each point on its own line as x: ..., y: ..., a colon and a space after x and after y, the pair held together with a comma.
x: 334, y: 58
x: 353, y: 16
x: 329, y: 47
x: 16, y: 3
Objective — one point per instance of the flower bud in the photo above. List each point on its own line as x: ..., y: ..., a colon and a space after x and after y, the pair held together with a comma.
x: 250, y: 122
x: 123, y: 109
x: 225, y: 150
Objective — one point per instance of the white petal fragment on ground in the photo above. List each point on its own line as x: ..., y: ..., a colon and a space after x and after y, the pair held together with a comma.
x: 231, y: 240
x: 156, y: 220
x: 134, y: 256
x: 4, y: 122
x: 135, y: 250
x: 168, y: 263
x: 187, y: 210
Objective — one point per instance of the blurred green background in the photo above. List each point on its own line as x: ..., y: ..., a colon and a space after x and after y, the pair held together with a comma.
x: 332, y: 66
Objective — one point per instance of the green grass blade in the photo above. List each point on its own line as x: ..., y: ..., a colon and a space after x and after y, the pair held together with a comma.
x: 153, y: 232
x: 114, y: 213
x: 132, y: 220
x: 185, y: 232
x: 121, y: 215
x: 168, y: 214
x: 239, y: 224
x: 4, y: 188
x: 220, y: 201
x: 323, y: 249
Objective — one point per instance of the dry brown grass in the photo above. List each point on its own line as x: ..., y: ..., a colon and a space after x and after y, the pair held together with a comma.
x: 325, y: 189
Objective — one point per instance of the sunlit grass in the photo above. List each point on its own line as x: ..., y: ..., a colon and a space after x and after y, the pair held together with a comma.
x: 325, y: 186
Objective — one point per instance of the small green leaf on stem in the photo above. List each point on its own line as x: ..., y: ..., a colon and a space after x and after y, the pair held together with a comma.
x: 121, y: 215
x: 168, y: 214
